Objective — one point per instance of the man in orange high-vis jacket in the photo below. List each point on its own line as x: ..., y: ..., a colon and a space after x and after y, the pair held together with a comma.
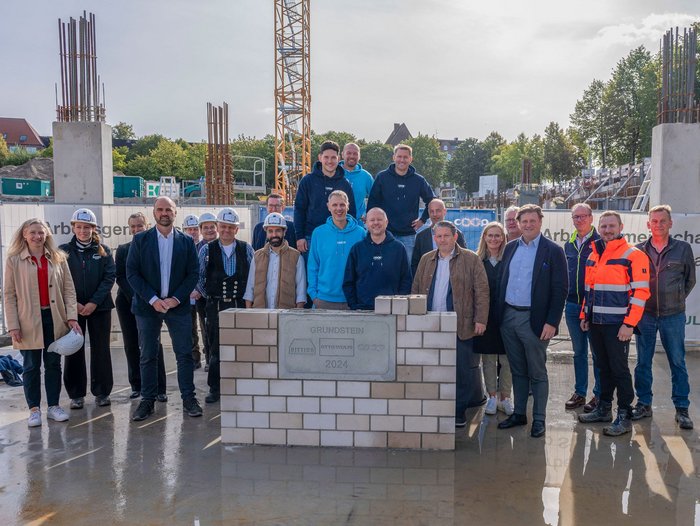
x: 617, y: 288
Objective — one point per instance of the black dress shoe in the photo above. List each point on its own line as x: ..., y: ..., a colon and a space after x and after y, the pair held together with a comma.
x: 191, y: 407
x: 512, y: 421
x: 135, y: 394
x: 537, y: 429
x: 143, y: 411
x: 212, y: 398
x: 162, y: 397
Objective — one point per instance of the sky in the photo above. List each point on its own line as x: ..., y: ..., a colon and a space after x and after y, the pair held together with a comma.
x: 447, y: 68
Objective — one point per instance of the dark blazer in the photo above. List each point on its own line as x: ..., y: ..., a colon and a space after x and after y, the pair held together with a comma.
x: 424, y: 244
x: 550, y: 284
x: 124, y: 289
x: 143, y: 272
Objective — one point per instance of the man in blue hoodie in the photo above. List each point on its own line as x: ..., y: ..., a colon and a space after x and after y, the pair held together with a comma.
x: 398, y: 191
x: 330, y: 247
x: 377, y: 266
x: 359, y: 178
x: 310, y: 205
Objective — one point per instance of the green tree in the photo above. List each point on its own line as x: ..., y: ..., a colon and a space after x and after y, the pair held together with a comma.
x: 467, y: 164
x: 559, y: 156
x: 243, y: 148
x: 144, y: 145
x: 592, y: 121
x: 18, y: 157
x: 491, y: 144
x: 119, y: 159
x: 508, y: 160
x: 123, y: 131
x: 428, y: 160
x: 375, y: 156
x: 4, y: 150
x: 194, y: 160
x: 342, y: 138
x: 47, y: 152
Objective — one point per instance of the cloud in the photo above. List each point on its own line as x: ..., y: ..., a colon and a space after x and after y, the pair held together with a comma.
x: 648, y: 32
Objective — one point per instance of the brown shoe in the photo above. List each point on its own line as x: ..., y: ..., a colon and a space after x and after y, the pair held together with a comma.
x: 591, y: 406
x: 575, y: 401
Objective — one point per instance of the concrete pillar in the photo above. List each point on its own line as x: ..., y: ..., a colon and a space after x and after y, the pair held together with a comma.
x: 82, y: 154
x: 675, y: 167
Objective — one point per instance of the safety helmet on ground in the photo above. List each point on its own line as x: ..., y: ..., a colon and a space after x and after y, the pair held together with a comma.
x: 84, y: 215
x: 68, y: 344
x: 207, y: 217
x: 228, y: 215
x: 191, y: 221
x: 275, y: 219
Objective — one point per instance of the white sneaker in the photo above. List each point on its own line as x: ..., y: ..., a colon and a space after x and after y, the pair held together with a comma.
x: 56, y: 413
x: 506, y: 405
x: 34, y: 419
x: 491, y: 406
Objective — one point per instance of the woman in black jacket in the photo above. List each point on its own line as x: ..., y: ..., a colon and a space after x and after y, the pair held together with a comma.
x: 92, y: 268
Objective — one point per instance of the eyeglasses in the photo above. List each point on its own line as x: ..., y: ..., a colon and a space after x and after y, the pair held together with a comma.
x: 579, y: 218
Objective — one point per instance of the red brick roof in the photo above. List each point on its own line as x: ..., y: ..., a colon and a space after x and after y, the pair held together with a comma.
x: 12, y: 129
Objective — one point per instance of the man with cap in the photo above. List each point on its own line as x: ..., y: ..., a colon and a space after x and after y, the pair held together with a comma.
x: 275, y: 203
x: 190, y: 226
x: 223, y: 272
x: 271, y: 283
x: 208, y: 231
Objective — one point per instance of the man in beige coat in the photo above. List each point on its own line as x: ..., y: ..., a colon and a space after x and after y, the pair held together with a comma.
x: 454, y: 279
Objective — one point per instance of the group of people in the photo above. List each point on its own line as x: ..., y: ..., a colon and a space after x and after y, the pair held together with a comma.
x: 352, y: 239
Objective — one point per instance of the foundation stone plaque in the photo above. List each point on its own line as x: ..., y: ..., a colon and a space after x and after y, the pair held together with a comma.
x: 337, y: 345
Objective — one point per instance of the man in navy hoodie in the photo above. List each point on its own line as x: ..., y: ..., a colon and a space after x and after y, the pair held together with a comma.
x: 398, y: 191
x: 311, y: 203
x: 377, y: 265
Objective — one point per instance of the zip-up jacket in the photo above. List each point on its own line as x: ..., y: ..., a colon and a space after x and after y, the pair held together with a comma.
x: 576, y: 263
x: 361, y: 182
x: 93, y: 275
x: 672, y: 279
x: 617, y: 283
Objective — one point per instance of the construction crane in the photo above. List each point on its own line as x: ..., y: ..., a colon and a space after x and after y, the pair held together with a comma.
x: 292, y: 95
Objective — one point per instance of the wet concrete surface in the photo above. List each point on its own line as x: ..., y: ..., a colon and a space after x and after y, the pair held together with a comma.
x: 100, y: 468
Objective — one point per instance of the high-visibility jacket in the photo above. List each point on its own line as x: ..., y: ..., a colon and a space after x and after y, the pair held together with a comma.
x: 617, y: 284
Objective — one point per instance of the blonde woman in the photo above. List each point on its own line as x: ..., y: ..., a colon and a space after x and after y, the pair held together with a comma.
x: 490, y: 345
x: 40, y: 306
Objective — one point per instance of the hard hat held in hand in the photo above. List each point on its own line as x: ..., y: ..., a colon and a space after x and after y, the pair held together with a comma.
x: 68, y: 344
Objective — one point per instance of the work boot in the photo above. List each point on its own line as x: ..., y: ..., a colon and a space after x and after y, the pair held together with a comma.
x: 591, y: 405
x: 575, y: 401
x: 143, y: 411
x: 683, y: 418
x: 602, y: 413
x: 640, y: 411
x: 621, y: 425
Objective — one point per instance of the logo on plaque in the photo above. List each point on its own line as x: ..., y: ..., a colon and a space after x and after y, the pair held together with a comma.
x: 302, y: 347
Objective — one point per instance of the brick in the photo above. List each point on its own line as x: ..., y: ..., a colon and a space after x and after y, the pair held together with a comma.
x: 264, y: 336
x: 299, y: 437
x: 227, y: 353
x: 405, y: 407
x: 409, y: 339
x: 446, y: 424
x: 336, y: 405
x: 276, y: 437
x: 422, y: 357
x: 287, y: 420
x: 235, y: 336
x: 303, y: 404
x: 370, y: 407
x: 421, y: 424
x: 248, y: 353
x: 438, y: 407
x: 439, y: 373
x: 386, y: 423
x: 354, y: 389
x: 417, y: 304
x: 253, y: 419
x: 387, y: 390
x: 427, y: 322
x: 409, y: 373
x: 336, y: 438
x: 272, y: 318
x: 228, y: 419
x: 226, y: 318
x: 438, y: 441
x: 442, y: 340
x: 404, y: 440
x: 252, y: 387
x: 285, y: 387
x: 237, y: 403
x: 265, y: 370
x: 270, y: 403
x: 447, y: 391
x: 422, y: 391
x: 236, y: 436
x: 399, y: 305
x: 370, y: 439
x: 382, y: 305
x: 448, y: 357
x: 448, y: 322
x: 228, y: 386
x: 236, y: 370
x: 273, y: 354
x: 319, y: 421
x: 319, y: 388
x: 400, y: 323
x: 252, y: 319
x: 400, y: 356
x: 352, y: 422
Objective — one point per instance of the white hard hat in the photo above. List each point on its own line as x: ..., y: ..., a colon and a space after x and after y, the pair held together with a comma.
x: 68, y: 344
x: 207, y: 217
x: 228, y: 215
x: 190, y: 221
x: 275, y: 219
x: 84, y: 215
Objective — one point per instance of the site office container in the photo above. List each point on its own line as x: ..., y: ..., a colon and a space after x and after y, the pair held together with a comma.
x: 36, y: 187
x: 129, y: 186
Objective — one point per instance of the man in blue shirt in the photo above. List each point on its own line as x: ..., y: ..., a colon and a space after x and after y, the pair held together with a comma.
x: 359, y: 178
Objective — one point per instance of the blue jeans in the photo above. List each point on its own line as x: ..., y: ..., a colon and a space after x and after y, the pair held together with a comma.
x: 180, y: 329
x: 579, y: 342
x: 409, y: 242
x: 672, y: 332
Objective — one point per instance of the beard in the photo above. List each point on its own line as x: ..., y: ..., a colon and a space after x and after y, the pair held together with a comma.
x: 275, y: 241
x: 164, y: 221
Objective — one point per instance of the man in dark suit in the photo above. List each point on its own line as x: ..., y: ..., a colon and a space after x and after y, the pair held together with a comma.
x: 425, y: 241
x: 275, y: 203
x: 531, y: 300
x: 162, y: 269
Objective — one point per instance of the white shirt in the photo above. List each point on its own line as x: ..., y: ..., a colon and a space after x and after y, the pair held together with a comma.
x: 273, y: 279
x: 165, y: 253
x: 442, y: 283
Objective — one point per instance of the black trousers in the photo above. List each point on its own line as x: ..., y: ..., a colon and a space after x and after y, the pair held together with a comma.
x: 611, y: 355
x: 99, y: 326
x: 201, y: 308
x: 130, y: 335
x: 213, y: 309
